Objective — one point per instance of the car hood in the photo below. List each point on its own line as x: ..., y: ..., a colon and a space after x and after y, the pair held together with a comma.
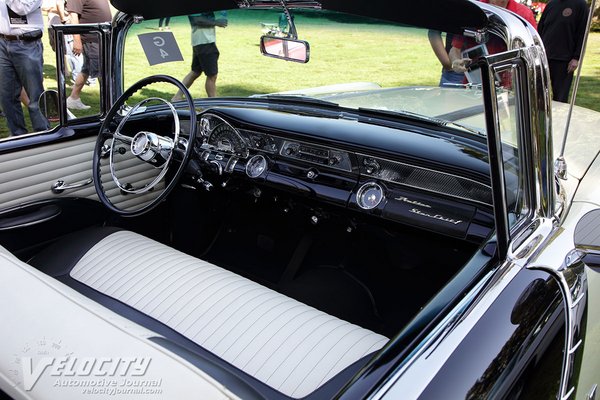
x: 465, y: 107
x: 582, y: 141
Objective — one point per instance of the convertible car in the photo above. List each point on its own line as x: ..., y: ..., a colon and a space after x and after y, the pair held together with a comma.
x: 334, y: 224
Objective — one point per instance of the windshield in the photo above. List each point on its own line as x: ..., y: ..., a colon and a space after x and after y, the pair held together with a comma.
x: 354, y: 62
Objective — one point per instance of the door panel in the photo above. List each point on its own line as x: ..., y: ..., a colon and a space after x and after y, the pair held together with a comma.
x: 28, y: 175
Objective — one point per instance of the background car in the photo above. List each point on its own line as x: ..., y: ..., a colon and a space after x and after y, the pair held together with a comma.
x: 311, y: 232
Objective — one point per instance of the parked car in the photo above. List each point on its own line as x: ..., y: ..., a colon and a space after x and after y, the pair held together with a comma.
x: 323, y: 229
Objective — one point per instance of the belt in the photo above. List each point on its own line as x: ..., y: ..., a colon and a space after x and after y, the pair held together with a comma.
x: 27, y: 37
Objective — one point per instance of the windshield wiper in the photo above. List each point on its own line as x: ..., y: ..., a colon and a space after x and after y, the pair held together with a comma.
x: 296, y: 98
x: 422, y: 118
x: 405, y: 114
x: 466, y: 128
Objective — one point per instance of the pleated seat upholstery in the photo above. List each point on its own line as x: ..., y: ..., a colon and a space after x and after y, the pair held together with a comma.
x: 286, y: 344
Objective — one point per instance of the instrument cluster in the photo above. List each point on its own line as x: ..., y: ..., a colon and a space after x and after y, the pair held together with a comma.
x: 220, y: 136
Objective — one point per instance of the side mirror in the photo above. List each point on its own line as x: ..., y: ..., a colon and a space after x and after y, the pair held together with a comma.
x: 48, y: 104
x: 587, y: 238
x: 285, y: 48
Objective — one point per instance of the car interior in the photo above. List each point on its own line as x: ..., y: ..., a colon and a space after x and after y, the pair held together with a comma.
x: 276, y: 253
x: 271, y: 242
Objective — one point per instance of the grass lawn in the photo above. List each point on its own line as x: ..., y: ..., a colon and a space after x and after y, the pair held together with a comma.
x: 391, y: 58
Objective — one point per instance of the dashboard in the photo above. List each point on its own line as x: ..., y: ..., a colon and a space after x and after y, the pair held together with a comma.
x: 319, y: 162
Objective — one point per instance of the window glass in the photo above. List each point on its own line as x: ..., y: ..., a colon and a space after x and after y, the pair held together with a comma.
x: 21, y: 112
x: 509, y: 125
x: 83, y: 74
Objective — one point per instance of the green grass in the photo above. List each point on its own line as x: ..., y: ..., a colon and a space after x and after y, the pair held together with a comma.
x: 394, y: 56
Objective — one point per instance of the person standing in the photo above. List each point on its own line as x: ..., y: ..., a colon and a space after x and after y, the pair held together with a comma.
x: 83, y: 12
x: 205, y: 53
x: 163, y: 24
x: 21, y: 63
x: 562, y: 28
x: 495, y: 45
x: 441, y: 50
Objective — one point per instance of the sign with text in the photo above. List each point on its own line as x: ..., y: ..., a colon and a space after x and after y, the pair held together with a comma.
x: 160, y: 47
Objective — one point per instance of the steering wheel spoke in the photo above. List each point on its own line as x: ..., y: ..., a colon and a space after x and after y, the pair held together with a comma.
x: 123, y: 138
x: 161, y: 154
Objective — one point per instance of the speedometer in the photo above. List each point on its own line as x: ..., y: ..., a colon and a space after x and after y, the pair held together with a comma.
x: 225, y: 139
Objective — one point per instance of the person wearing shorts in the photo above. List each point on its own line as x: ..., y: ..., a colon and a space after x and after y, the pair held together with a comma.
x: 205, y: 55
x: 86, y: 11
x: 91, y: 59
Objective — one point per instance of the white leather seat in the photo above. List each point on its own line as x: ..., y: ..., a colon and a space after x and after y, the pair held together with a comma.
x: 286, y: 344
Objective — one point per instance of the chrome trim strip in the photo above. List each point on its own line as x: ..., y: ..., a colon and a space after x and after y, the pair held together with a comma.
x: 435, y: 337
x: 568, y: 395
x: 573, y: 294
x: 575, y: 347
x: 432, y: 352
x: 493, y: 130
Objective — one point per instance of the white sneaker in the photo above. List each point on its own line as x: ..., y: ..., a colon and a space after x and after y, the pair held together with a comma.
x: 76, y: 104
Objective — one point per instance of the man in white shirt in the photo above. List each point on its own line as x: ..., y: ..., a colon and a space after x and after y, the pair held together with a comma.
x: 21, y: 61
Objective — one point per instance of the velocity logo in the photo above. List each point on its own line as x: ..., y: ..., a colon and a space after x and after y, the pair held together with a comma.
x: 96, y: 367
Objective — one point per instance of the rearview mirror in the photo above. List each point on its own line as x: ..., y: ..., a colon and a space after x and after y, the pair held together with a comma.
x: 285, y: 48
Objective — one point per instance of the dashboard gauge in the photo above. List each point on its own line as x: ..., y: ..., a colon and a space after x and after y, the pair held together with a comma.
x: 369, y: 196
x: 225, y: 139
x: 205, y: 126
x: 256, y: 166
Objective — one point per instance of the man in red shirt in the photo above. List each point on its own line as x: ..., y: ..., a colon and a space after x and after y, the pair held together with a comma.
x: 495, y: 45
x: 517, y: 8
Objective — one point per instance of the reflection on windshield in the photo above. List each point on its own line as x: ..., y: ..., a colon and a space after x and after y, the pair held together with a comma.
x: 355, y: 62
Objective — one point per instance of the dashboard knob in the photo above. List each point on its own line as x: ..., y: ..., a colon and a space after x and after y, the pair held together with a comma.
x: 289, y: 151
x: 371, y: 166
x: 216, y: 167
x: 369, y: 196
x: 256, y: 166
x: 207, y: 186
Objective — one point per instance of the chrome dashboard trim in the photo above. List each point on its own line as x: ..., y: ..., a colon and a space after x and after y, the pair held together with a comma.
x: 378, y: 176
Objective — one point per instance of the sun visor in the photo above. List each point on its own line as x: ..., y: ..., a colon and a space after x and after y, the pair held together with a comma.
x: 444, y: 15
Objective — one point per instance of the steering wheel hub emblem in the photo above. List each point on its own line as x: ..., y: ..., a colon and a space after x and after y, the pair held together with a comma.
x: 140, y: 144
x: 151, y: 148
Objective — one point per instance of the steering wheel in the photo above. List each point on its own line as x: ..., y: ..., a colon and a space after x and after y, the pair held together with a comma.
x: 156, y: 151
